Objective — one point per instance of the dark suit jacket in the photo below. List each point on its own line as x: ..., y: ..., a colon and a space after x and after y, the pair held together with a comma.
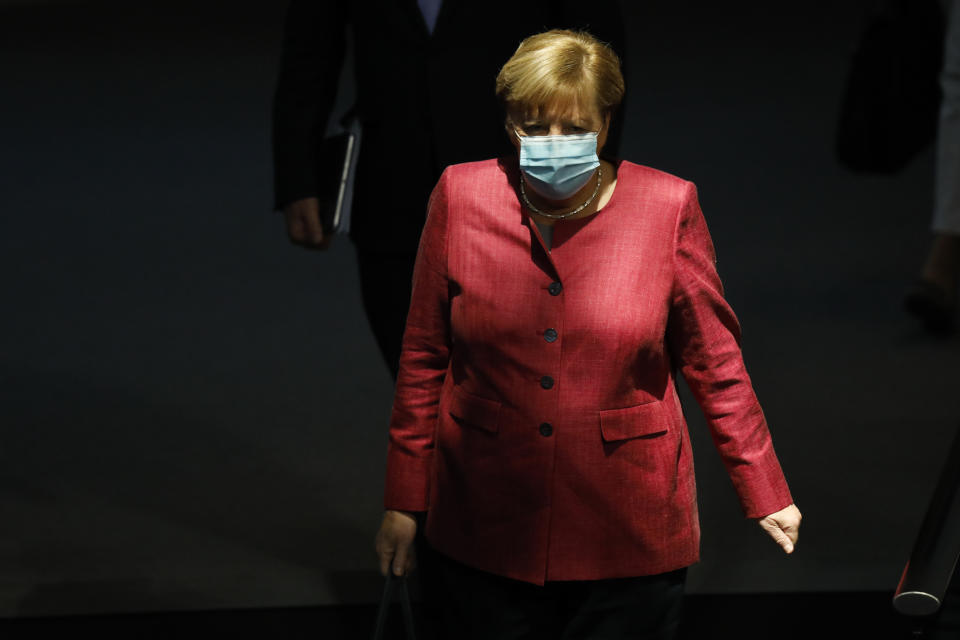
x: 426, y: 101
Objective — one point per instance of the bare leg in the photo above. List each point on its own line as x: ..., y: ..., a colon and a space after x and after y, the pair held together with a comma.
x: 942, y: 267
x: 934, y: 298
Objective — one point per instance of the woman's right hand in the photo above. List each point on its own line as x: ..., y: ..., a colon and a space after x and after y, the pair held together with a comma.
x: 394, y: 542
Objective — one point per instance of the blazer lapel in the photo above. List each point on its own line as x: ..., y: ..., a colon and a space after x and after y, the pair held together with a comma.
x: 412, y: 9
x: 448, y: 11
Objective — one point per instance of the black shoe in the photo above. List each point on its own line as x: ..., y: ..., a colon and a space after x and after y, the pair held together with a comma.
x: 933, y: 305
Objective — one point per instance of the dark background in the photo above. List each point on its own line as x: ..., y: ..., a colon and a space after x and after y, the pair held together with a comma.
x: 194, y: 413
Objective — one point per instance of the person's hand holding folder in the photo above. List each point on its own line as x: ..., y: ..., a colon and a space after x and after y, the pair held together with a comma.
x: 303, y: 224
x: 313, y: 221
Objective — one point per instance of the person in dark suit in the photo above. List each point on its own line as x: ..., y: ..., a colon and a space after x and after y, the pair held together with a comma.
x: 424, y: 76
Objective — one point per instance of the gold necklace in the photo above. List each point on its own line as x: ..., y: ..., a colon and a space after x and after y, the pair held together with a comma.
x: 561, y: 216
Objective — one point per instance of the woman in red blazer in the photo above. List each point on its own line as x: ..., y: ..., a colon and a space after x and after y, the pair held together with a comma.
x: 536, y: 421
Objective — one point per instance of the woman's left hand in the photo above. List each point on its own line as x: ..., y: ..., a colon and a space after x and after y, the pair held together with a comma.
x: 783, y: 526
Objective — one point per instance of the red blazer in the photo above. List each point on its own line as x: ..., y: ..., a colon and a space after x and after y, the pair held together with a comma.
x: 535, y: 416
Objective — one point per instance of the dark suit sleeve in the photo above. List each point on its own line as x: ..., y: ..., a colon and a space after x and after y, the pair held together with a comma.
x: 314, y: 39
x: 604, y: 20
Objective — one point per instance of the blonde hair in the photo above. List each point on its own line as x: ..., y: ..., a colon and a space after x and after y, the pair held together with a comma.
x: 559, y: 68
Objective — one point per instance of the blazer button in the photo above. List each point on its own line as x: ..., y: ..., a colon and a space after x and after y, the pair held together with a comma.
x: 550, y: 335
x: 546, y: 382
x: 555, y: 288
x: 546, y: 429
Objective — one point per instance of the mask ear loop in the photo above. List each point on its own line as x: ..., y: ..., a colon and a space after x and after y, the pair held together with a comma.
x: 511, y: 126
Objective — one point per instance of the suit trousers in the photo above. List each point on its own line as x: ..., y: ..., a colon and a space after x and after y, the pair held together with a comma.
x: 386, y: 282
x: 475, y: 605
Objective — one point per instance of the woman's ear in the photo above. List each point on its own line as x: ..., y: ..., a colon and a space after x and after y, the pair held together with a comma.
x: 602, y: 135
x: 511, y: 131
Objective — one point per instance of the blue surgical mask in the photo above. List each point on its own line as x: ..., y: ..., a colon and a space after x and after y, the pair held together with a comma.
x: 556, y: 167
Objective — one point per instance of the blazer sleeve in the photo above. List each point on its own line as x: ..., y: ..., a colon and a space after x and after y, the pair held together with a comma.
x: 424, y: 359
x: 314, y: 41
x: 704, y: 339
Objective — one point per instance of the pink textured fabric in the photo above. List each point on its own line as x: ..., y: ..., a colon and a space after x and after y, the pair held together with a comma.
x: 591, y: 476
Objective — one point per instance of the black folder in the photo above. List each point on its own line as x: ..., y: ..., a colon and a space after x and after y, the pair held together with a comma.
x: 336, y: 166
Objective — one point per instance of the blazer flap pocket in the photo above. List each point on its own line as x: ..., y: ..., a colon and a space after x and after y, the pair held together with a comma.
x: 475, y: 411
x: 648, y: 420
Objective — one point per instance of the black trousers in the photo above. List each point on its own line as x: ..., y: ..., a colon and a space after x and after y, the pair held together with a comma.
x: 386, y: 281
x: 463, y: 603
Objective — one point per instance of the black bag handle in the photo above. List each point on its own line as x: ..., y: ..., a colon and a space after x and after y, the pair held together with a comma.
x: 388, y: 588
